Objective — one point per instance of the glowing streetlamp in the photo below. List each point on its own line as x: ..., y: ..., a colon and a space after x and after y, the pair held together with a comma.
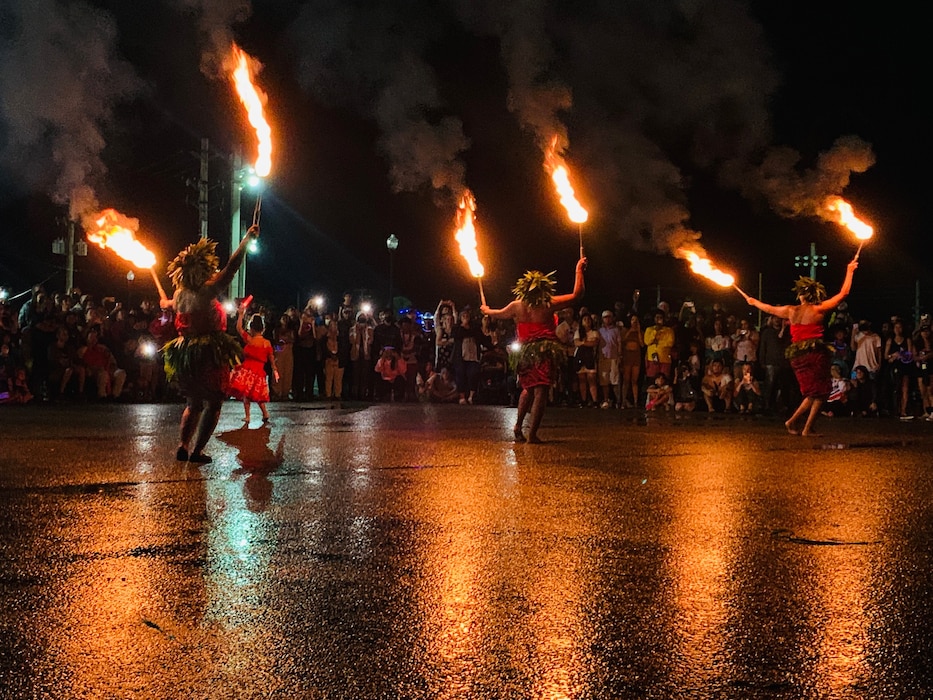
x: 391, y: 246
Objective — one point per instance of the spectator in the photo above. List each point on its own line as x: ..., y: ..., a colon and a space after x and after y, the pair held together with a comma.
x: 101, y: 367
x: 866, y: 344
x: 773, y: 341
x: 305, y: 349
x: 468, y: 342
x: 441, y: 387
x: 610, y: 351
x: 633, y: 343
x: 586, y: 340
x: 659, y: 346
x: 410, y: 351
x: 745, y: 348
x: 361, y: 360
x: 747, y: 390
x: 718, y: 343
x: 685, y: 388
x: 391, y: 372
x: 923, y: 354
x: 717, y: 388
x: 863, y: 393
x: 838, y: 402
x: 660, y: 394
x: 283, y: 342
x: 899, y: 355
x: 444, y: 333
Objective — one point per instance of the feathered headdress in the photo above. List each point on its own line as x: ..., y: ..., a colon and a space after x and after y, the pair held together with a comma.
x: 535, y: 288
x: 195, y: 265
x: 810, y: 290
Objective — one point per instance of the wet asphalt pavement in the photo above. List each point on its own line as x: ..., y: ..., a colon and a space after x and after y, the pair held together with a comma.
x: 410, y: 551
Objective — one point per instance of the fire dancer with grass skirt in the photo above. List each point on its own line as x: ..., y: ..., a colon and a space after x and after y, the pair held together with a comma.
x: 203, y: 354
x: 541, y: 354
x: 809, y: 356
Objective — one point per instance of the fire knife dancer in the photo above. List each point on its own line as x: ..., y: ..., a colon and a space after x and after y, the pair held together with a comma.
x: 203, y: 354
x: 541, y: 354
x: 808, y: 355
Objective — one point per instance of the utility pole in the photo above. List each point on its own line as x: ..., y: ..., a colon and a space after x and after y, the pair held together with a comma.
x: 69, y: 248
x: 812, y: 261
x: 238, y: 284
x: 203, y: 187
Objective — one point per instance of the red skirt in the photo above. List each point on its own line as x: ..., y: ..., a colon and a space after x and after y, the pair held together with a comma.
x: 812, y: 371
x: 247, y: 384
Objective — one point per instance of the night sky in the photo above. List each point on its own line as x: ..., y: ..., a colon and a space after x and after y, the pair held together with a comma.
x: 717, y: 123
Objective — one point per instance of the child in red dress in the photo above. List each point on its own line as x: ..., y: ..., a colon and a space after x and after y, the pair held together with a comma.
x: 248, y: 382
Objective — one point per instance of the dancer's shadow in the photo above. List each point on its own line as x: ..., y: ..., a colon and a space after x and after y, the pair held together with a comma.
x: 257, y: 461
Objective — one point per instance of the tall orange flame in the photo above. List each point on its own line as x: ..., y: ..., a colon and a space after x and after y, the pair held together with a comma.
x: 845, y: 215
x: 704, y: 267
x: 253, y: 100
x: 110, y: 229
x: 466, y: 234
x: 555, y: 165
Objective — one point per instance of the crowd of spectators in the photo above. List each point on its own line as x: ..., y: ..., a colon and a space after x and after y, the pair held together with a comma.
x: 73, y: 347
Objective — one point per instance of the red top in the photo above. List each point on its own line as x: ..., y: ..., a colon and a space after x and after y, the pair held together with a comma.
x: 202, y: 322
x: 536, y: 331
x: 806, y: 331
x: 256, y: 356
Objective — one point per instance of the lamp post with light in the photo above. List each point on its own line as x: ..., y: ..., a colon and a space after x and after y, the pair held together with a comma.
x: 391, y: 246
x: 242, y: 176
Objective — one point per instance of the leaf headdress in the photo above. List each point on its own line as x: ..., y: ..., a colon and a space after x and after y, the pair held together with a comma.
x: 535, y: 288
x: 810, y: 290
x: 195, y: 265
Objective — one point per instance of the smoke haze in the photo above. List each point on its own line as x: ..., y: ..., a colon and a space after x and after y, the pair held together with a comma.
x: 60, y: 78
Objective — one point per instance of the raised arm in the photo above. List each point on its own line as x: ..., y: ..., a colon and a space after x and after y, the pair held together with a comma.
x: 509, y: 311
x: 779, y: 311
x: 578, y: 288
x: 223, y: 278
x: 833, y: 302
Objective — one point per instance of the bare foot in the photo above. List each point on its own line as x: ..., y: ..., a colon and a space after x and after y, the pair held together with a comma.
x: 790, y: 428
x: 810, y: 433
x: 534, y: 439
x: 517, y: 432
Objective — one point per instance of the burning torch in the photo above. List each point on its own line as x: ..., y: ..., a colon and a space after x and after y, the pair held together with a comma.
x: 466, y: 237
x: 845, y: 215
x: 555, y: 165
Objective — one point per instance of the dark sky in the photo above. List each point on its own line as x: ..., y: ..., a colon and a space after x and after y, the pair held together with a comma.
x: 719, y: 123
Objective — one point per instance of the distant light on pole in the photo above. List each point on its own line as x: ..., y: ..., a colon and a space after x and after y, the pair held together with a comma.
x: 391, y: 246
x: 812, y: 261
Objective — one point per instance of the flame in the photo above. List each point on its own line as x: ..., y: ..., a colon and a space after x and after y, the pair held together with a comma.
x: 845, y: 215
x: 253, y: 100
x: 466, y: 234
x: 703, y: 266
x: 117, y: 232
x: 555, y: 165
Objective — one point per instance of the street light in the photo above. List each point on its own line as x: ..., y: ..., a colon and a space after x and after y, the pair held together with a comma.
x: 812, y: 261
x: 391, y: 245
x: 241, y: 176
x: 130, y: 276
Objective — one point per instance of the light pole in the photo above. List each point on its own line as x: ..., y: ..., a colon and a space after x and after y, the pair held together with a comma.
x: 812, y: 260
x: 241, y: 176
x: 391, y: 246
x: 130, y: 276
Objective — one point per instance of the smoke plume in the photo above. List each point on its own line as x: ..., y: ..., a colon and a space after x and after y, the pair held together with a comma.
x: 369, y: 56
x: 794, y: 192
x: 60, y: 78
x: 215, y: 20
